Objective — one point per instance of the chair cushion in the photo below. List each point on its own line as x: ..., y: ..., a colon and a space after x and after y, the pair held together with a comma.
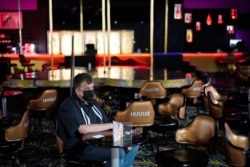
x: 181, y: 158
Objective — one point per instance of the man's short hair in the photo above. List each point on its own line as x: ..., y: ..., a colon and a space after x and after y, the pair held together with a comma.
x: 83, y: 77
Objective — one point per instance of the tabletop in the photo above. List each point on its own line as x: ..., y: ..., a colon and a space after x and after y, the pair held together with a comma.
x: 105, y: 139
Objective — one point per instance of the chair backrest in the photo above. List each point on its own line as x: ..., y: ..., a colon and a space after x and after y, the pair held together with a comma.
x: 200, y: 132
x: 20, y: 131
x: 23, y: 59
x: 175, y: 106
x: 47, y: 100
x: 153, y: 90
x: 99, y: 100
x: 215, y: 107
x: 245, y: 70
x: 193, y: 90
x: 234, y: 147
x: 207, y: 83
x: 59, y: 144
x: 241, y: 77
x: 139, y: 113
x: 231, y: 68
x: 216, y: 95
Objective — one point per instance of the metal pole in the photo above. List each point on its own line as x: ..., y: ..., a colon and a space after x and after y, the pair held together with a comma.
x: 20, y: 28
x: 166, y: 28
x: 109, y: 29
x: 152, y: 40
x: 103, y: 33
x: 51, y: 37
x: 81, y: 25
x: 72, y: 71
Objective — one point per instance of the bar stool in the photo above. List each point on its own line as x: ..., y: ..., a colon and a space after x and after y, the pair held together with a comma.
x: 5, y: 94
x: 25, y: 62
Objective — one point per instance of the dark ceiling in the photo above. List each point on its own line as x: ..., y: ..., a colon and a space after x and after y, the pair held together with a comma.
x: 67, y: 11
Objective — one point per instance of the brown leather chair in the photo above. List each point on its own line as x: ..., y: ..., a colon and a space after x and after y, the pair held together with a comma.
x: 192, y: 93
x: 231, y: 68
x: 45, y: 104
x: 73, y: 160
x: 154, y: 91
x: 242, y: 75
x: 200, y: 133
x: 13, y: 138
x: 215, y: 106
x: 139, y: 113
x: 99, y: 100
x: 216, y: 95
x: 171, y: 112
x: 220, y: 113
x: 236, y: 147
x: 175, y: 106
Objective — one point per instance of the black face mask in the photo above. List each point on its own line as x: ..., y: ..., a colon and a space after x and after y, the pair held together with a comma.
x: 88, y: 95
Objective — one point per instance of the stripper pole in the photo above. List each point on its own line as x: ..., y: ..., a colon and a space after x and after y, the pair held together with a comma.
x: 166, y: 28
x: 151, y: 40
x: 104, y: 35
x: 81, y: 25
x: 51, y: 37
x: 20, y: 28
x: 109, y: 29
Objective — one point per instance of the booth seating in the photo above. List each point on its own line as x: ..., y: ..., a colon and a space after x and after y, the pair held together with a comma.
x: 200, y: 134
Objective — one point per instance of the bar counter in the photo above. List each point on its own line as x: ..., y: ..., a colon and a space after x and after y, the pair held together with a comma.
x: 124, y: 77
x: 18, y: 83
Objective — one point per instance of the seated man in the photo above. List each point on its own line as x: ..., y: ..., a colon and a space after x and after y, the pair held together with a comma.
x: 80, y: 114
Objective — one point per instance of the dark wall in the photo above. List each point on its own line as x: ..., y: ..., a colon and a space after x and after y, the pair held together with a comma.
x: 175, y: 30
x: 209, y: 38
x: 35, y: 23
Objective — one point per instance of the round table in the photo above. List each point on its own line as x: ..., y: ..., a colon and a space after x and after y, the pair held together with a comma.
x: 105, y: 139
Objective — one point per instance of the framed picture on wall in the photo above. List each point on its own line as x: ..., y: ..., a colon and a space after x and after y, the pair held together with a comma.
x: 10, y: 20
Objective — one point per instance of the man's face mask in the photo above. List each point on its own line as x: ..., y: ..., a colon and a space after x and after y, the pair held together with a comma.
x: 88, y: 95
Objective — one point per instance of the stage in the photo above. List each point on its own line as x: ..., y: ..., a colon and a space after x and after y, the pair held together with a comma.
x: 170, y: 61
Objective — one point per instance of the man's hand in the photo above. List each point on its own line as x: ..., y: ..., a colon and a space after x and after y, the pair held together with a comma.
x: 127, y: 149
